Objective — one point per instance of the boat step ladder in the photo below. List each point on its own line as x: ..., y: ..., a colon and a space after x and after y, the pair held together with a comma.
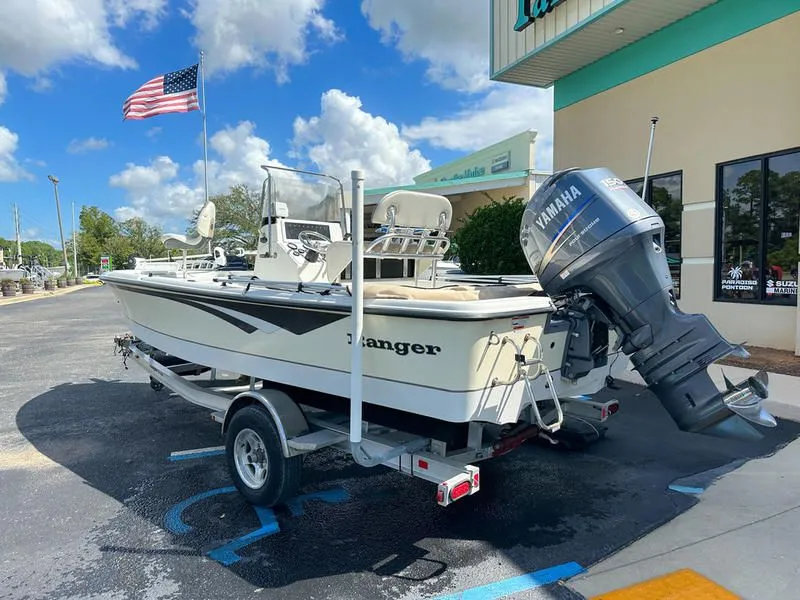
x: 529, y: 369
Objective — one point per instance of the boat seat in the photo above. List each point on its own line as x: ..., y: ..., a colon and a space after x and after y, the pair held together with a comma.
x: 403, y: 208
x: 204, y: 231
x: 454, y: 293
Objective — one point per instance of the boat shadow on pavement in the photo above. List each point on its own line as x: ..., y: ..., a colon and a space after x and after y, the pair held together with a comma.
x: 368, y: 532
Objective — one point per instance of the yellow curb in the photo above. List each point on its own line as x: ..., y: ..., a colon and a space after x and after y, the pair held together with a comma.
x: 44, y: 294
x: 684, y: 584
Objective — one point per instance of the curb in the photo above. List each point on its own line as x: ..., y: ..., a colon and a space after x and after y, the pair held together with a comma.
x: 48, y: 294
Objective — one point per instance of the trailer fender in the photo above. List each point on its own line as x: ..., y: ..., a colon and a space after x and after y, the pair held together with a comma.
x: 289, y: 419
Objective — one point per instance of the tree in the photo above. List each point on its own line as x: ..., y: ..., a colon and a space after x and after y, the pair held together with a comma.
x: 238, y: 218
x: 488, y: 242
x: 144, y: 240
x: 101, y: 235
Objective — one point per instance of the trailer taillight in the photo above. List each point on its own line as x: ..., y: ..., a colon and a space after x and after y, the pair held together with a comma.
x: 422, y: 464
x: 462, y: 489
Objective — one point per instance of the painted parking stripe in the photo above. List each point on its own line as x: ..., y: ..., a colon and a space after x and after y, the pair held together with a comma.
x: 687, y: 489
x: 197, y: 453
x: 227, y: 554
x: 684, y: 583
x: 173, y: 520
x: 514, y: 585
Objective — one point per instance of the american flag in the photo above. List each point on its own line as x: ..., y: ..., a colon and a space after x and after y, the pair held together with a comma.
x: 174, y: 92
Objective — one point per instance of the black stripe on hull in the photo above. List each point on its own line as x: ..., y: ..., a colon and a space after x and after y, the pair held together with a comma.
x: 295, y: 320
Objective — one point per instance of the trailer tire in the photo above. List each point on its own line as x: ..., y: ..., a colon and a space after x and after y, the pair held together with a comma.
x: 252, y: 435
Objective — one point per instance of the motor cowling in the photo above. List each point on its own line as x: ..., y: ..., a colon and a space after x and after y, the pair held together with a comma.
x: 584, y: 231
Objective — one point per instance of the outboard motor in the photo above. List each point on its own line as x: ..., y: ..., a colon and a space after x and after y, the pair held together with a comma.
x: 598, y: 249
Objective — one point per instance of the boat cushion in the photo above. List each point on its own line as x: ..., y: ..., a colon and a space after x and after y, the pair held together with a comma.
x: 454, y: 293
x: 414, y: 209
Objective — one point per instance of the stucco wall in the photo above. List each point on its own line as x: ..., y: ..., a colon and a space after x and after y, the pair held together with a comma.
x: 463, y: 204
x: 731, y: 101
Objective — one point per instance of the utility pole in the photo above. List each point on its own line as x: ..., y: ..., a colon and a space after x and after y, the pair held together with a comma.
x: 16, y: 232
x: 54, y: 181
x: 74, y: 242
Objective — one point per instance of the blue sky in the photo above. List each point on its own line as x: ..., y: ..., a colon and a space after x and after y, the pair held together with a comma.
x: 391, y: 87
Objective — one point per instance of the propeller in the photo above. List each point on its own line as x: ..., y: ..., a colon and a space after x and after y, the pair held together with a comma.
x: 746, y: 399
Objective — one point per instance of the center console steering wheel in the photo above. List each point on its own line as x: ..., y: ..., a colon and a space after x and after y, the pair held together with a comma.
x: 316, y: 242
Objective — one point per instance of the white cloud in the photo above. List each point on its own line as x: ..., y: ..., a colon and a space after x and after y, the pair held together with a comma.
x: 149, y: 11
x: 274, y: 34
x: 37, y: 36
x: 157, y: 192
x: 10, y: 169
x: 154, y: 192
x: 345, y: 137
x: 3, y: 88
x: 453, y: 37
x: 87, y: 145
x: 42, y: 85
x: 153, y: 132
x: 505, y: 111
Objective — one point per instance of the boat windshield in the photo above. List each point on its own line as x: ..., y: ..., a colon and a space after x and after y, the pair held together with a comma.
x: 306, y: 196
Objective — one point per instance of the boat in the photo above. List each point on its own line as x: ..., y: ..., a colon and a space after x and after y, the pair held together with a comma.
x: 488, y: 357
x: 216, y: 260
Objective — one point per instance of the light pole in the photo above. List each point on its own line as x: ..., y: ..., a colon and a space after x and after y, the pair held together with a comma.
x: 74, y: 242
x: 54, y: 181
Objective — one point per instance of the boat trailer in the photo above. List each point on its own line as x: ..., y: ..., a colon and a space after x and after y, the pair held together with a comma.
x: 286, y: 430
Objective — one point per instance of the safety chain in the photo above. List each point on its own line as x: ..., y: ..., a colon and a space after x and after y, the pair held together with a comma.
x: 122, y: 346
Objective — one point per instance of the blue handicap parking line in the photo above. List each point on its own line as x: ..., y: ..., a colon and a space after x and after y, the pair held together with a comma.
x: 199, y: 453
x: 330, y: 496
x: 172, y: 519
x: 514, y: 585
x: 227, y: 554
x: 686, y: 489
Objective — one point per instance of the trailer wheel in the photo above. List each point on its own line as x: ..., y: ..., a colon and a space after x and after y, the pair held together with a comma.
x: 156, y: 384
x: 260, y: 471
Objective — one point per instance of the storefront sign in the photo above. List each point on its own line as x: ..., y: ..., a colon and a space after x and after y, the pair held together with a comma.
x: 466, y: 173
x: 785, y: 288
x: 105, y: 264
x: 530, y: 10
x: 737, y: 282
x: 501, y: 162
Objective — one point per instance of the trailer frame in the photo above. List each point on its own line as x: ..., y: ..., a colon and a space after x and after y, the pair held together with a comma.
x: 301, y: 429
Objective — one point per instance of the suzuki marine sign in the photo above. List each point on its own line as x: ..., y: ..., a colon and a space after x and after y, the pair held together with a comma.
x: 530, y: 10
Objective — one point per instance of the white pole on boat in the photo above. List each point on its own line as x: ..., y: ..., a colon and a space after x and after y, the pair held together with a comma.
x: 653, y: 122
x: 205, y: 131
x: 357, y: 318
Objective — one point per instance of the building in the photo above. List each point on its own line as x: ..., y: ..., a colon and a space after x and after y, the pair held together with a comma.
x: 507, y: 168
x: 725, y: 171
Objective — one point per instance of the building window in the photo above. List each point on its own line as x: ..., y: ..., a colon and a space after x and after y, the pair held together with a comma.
x: 665, y: 196
x: 758, y: 208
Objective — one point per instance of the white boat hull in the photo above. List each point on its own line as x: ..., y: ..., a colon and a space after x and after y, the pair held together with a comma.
x: 436, y: 368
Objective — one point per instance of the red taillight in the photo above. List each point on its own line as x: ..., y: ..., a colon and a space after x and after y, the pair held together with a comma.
x: 613, y: 408
x: 476, y: 480
x: 439, y: 496
x: 422, y: 464
x: 462, y: 489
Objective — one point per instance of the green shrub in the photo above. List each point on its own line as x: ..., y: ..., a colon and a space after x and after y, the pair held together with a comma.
x: 488, y: 242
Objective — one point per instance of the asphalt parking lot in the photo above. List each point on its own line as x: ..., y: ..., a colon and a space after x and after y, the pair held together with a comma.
x: 93, y: 507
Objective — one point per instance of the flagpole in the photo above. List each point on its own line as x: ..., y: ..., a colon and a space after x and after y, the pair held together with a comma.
x: 205, y: 132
